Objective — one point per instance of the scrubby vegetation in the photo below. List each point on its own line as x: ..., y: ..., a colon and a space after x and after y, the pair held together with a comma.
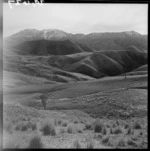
x: 98, y: 126
x: 36, y: 143
x: 71, y: 133
x: 48, y: 129
x: 76, y: 144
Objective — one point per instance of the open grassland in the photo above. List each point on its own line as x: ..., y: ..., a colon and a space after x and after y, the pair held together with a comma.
x: 107, y: 113
x: 33, y: 128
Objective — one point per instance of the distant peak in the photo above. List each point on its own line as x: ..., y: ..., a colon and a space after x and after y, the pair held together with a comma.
x: 53, y: 34
x: 132, y: 33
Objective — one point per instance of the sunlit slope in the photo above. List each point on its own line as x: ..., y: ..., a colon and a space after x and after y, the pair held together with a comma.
x: 81, y: 88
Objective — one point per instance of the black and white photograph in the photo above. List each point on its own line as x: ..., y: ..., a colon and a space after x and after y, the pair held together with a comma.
x: 75, y: 75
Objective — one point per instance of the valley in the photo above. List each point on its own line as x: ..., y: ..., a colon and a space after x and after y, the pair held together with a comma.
x: 94, y: 85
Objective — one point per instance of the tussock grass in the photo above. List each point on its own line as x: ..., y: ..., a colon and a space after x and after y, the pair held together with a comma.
x: 117, y: 130
x: 130, y: 131
x: 57, y: 122
x: 8, y: 126
x: 117, y: 142
x: 98, y: 126
x: 24, y: 127
x: 90, y: 144
x: 104, y: 132
x: 48, y: 129
x: 105, y: 140
x: 79, y: 131
x: 131, y: 142
x: 36, y: 143
x: 88, y: 126
x: 77, y: 145
x: 18, y: 127
x: 64, y: 124
x: 137, y: 125
x: 70, y: 129
x: 62, y: 130
x: 75, y: 122
x: 126, y: 126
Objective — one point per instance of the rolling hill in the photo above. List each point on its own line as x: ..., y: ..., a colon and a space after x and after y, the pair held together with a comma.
x: 60, y: 57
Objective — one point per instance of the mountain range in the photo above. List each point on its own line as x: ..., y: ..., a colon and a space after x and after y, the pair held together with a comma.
x: 53, y: 56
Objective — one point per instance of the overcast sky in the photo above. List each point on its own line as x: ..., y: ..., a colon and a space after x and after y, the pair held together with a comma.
x: 76, y: 18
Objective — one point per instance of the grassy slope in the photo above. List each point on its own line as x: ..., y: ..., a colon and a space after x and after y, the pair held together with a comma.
x: 82, y: 88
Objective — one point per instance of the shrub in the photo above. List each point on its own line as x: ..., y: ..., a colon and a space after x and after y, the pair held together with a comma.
x: 36, y: 143
x: 98, y: 126
x: 76, y: 144
x: 48, y: 129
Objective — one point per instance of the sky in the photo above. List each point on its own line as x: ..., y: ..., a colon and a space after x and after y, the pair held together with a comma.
x: 75, y: 18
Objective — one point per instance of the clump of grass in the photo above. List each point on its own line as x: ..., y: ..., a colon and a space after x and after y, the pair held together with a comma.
x: 36, y: 143
x: 131, y: 142
x: 90, y: 144
x: 57, y: 122
x: 24, y: 127
x: 48, y: 129
x: 113, y: 141
x: 79, y: 131
x: 88, y: 126
x: 104, y: 132
x: 62, y: 130
x: 126, y: 126
x: 77, y: 145
x: 111, y: 131
x: 120, y: 143
x: 141, y: 133
x: 98, y: 126
x: 105, y: 140
x: 137, y: 125
x: 117, y: 123
x: 31, y: 125
x: 18, y: 127
x: 34, y: 126
x: 7, y: 126
x: 75, y: 122
x: 117, y: 131
x: 129, y: 131
x: 70, y: 129
x: 64, y: 124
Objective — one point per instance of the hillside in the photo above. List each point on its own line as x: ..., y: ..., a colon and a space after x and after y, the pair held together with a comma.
x: 94, y: 89
x: 116, y: 41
